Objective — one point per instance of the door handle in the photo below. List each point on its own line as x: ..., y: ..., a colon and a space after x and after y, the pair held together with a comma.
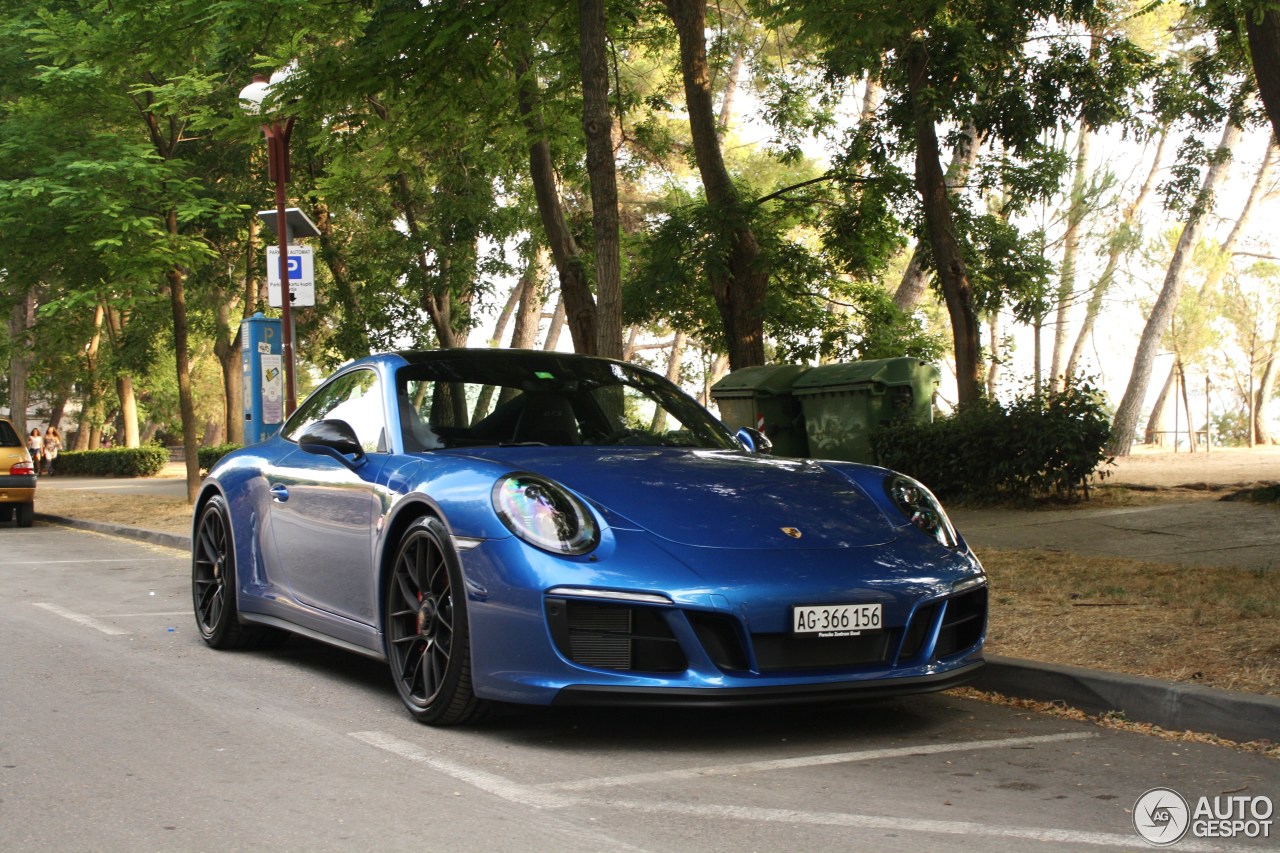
x: 280, y: 493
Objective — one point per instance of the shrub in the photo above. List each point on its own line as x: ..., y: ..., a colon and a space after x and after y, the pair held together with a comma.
x: 1036, y: 446
x: 209, y: 455
x: 114, y: 462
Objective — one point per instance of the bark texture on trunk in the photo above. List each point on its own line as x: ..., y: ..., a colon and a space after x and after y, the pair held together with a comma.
x: 915, y: 279
x: 602, y: 170
x: 1264, y: 49
x: 1076, y: 211
x: 575, y: 286
x: 124, y: 384
x: 21, y: 319
x: 739, y: 291
x: 948, y: 260
x: 1131, y: 404
x: 182, y: 358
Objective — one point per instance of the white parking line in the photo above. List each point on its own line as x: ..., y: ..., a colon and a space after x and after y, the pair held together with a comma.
x: 81, y: 619
x: 499, y: 786
x: 128, y: 560
x: 548, y: 796
x: 896, y: 824
x: 808, y: 761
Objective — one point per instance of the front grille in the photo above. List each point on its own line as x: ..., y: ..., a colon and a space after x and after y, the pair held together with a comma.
x: 614, y: 636
x: 776, y: 652
x: 962, y: 623
x: 721, y: 640
x: 918, y: 632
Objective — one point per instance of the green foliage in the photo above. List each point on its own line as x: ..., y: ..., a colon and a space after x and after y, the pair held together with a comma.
x: 115, y: 462
x: 210, y: 455
x: 1037, y: 446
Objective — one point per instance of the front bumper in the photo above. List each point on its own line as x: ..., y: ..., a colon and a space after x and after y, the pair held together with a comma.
x: 542, y: 634
x: 797, y: 694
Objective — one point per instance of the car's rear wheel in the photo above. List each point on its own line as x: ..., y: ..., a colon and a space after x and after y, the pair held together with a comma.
x: 428, y: 642
x: 26, y: 513
x: 6, y: 512
x: 213, y: 585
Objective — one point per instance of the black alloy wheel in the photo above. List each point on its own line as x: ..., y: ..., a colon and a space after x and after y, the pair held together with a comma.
x: 213, y: 585
x: 428, y: 644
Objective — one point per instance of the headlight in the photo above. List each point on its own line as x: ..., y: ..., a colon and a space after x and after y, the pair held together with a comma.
x: 544, y: 514
x: 920, y: 506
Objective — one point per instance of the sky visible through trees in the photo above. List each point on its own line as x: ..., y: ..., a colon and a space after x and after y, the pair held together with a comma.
x: 696, y: 186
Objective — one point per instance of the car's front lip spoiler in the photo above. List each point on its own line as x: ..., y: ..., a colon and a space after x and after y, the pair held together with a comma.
x: 730, y: 697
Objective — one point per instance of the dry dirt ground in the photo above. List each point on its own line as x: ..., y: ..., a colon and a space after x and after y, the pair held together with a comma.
x: 1213, y: 626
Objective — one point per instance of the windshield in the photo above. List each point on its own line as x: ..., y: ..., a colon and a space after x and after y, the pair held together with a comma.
x: 496, y: 397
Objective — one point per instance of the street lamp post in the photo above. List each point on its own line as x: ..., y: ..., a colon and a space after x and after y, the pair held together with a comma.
x: 277, y: 131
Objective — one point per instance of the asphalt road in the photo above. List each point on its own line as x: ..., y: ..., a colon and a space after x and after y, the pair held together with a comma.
x: 120, y: 730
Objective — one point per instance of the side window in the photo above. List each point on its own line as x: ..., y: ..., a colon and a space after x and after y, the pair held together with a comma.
x: 354, y: 397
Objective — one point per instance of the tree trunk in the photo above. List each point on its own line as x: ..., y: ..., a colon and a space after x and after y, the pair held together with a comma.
x: 253, y: 297
x: 576, y: 301
x: 739, y: 290
x: 529, y: 308
x: 629, y: 351
x: 182, y: 358
x: 730, y: 90
x: 1117, y: 250
x: 226, y: 349
x: 1266, y: 387
x: 124, y: 385
x: 997, y: 355
x: 556, y: 327
x: 1264, y: 49
x: 948, y: 260
x: 57, y: 410
x: 90, y: 409
x: 1076, y: 211
x: 1186, y: 407
x: 1154, y: 433
x: 915, y: 279
x: 602, y: 170
x: 1127, y: 413
x: 21, y: 319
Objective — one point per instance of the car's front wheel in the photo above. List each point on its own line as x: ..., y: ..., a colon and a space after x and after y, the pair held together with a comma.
x: 213, y: 585
x: 428, y: 643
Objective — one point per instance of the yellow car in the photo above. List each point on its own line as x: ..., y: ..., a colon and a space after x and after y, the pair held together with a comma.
x: 17, y: 476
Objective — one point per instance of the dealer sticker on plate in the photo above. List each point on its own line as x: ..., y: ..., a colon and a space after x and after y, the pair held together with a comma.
x: 835, y: 620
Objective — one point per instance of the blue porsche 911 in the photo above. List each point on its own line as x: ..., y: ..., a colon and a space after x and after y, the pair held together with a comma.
x: 551, y: 529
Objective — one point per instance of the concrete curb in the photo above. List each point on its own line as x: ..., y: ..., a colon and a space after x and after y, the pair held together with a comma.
x: 156, y: 537
x: 1168, y: 704
x: 1171, y: 705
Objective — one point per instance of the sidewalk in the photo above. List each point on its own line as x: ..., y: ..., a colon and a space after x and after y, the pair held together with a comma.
x: 1195, y: 532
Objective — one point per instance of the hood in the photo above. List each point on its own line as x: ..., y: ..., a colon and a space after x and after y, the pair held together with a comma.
x: 711, y: 498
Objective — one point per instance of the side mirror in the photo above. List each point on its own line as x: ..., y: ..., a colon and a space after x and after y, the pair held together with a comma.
x: 754, y: 440
x: 333, y: 438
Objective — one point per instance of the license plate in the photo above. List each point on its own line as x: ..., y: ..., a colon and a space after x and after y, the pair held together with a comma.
x: 835, y: 620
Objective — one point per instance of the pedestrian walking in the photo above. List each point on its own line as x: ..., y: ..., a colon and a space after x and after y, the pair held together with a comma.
x: 52, y: 444
x: 35, y: 446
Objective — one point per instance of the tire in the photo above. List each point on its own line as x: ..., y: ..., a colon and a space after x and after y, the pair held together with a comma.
x: 427, y: 632
x: 6, y: 512
x: 26, y: 513
x: 213, y: 585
